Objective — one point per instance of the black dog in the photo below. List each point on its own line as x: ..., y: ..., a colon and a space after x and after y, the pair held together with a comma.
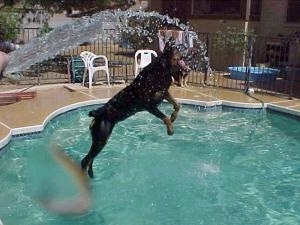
x: 146, y: 92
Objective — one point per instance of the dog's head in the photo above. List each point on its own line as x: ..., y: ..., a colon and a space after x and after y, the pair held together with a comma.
x: 170, y: 56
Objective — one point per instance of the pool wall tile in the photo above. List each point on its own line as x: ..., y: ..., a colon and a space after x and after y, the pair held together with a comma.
x: 243, y: 104
x: 284, y: 109
x: 200, y: 103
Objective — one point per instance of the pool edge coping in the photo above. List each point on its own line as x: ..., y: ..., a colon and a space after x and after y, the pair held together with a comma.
x: 39, y: 128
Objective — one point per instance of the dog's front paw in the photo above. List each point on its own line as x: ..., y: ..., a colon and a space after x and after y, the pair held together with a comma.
x: 169, y: 124
x: 170, y: 130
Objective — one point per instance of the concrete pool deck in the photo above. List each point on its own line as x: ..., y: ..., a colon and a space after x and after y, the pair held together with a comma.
x: 29, y: 116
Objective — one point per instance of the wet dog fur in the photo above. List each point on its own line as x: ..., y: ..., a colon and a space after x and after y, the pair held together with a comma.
x: 146, y: 92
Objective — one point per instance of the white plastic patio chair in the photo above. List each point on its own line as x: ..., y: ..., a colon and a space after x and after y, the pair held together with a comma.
x: 144, y: 60
x: 92, y: 62
x: 85, y: 56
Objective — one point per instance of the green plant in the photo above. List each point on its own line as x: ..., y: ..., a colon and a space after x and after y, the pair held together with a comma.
x: 10, y: 22
x: 232, y: 40
x: 44, y: 29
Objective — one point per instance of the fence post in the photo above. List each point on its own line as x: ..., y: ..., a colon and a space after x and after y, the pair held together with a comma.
x: 38, y: 71
x: 206, y: 54
x: 249, y: 64
x: 294, y: 71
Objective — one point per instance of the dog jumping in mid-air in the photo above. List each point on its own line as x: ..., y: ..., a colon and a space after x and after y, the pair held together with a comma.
x: 146, y: 92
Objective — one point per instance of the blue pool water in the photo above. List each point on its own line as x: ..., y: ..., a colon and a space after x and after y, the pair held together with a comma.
x: 221, y: 167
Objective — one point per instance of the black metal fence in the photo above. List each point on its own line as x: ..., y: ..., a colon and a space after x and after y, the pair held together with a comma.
x: 265, y: 64
x: 273, y: 62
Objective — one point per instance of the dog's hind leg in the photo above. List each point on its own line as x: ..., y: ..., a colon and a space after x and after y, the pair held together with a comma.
x: 176, y: 106
x: 100, y: 131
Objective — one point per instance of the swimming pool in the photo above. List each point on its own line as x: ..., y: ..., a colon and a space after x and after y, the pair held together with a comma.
x: 256, y: 74
x: 221, y: 166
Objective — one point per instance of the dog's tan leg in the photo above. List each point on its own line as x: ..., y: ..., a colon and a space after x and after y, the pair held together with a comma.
x: 185, y: 82
x: 176, y: 106
x: 156, y: 112
x: 180, y: 81
x: 169, y: 125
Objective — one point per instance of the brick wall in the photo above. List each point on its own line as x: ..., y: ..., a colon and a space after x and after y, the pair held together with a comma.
x: 273, y: 19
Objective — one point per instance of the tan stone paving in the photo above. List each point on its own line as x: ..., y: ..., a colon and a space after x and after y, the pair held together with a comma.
x: 4, y: 131
x: 27, y: 113
x: 33, y: 112
x: 289, y: 103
